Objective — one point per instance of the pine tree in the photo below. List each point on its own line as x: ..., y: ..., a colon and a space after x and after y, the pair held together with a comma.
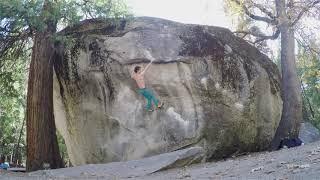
x: 23, y: 21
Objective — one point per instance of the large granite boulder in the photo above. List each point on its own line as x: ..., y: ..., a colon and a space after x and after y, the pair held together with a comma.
x: 220, y: 93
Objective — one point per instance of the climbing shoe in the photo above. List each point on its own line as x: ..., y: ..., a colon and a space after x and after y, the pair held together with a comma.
x: 160, y: 105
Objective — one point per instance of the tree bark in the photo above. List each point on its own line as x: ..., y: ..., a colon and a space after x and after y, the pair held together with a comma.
x: 292, y: 105
x: 42, y: 144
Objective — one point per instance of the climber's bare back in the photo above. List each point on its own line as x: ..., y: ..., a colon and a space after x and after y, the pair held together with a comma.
x: 139, y: 78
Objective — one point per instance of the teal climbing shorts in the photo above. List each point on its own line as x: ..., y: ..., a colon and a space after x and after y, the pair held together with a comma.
x: 148, y: 94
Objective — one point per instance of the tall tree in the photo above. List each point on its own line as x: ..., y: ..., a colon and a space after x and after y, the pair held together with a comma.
x: 41, y: 131
x: 283, y: 16
x: 38, y: 20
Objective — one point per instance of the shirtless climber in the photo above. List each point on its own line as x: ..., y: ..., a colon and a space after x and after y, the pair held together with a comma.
x: 138, y: 76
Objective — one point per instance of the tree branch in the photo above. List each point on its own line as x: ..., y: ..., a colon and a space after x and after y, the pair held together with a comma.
x: 264, y: 10
x: 253, y: 16
x: 12, y: 42
x: 304, y: 10
x: 308, y: 47
x: 261, y: 37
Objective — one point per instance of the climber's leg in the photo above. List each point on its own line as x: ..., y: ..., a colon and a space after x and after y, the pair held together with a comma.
x: 155, y: 100
x: 144, y: 92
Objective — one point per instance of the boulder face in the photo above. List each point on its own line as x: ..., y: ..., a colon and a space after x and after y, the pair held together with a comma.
x: 220, y: 93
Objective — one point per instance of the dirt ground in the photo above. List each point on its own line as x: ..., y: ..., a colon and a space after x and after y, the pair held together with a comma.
x: 295, y: 163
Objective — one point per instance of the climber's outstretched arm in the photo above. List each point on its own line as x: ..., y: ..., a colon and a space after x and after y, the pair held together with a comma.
x: 146, y: 68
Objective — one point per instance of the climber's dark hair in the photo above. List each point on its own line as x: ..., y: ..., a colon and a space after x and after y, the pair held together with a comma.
x: 136, y: 69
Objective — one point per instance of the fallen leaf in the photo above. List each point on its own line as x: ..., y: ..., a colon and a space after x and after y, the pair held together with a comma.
x: 257, y: 169
x: 296, y: 166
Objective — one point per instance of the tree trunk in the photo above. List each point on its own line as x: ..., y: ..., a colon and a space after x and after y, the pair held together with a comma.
x: 17, y: 152
x: 42, y: 144
x: 291, y: 95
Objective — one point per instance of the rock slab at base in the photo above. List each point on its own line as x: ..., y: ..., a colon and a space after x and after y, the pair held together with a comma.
x: 308, y: 133
x: 134, y: 168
